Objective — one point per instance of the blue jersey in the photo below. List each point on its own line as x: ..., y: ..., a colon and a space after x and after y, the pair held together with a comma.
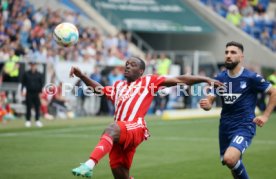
x: 239, y: 100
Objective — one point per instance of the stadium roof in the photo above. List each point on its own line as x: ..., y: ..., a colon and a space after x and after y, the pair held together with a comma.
x: 173, y: 16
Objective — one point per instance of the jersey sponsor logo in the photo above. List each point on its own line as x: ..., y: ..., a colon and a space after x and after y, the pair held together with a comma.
x: 230, y: 98
x: 124, y: 97
x: 129, y: 92
x: 243, y: 84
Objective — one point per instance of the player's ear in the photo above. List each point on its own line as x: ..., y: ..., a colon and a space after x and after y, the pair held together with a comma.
x: 242, y: 56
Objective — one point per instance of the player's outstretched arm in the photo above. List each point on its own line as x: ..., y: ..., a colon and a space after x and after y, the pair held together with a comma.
x: 261, y: 120
x: 89, y: 82
x: 207, y: 102
x: 190, y: 80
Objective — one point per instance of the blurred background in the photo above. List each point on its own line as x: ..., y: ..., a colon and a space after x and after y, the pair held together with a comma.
x: 173, y: 37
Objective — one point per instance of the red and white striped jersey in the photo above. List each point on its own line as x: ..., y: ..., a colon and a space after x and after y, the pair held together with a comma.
x: 132, y: 100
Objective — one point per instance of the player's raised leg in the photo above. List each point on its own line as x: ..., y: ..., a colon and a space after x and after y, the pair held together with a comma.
x: 110, y: 135
x: 121, y: 156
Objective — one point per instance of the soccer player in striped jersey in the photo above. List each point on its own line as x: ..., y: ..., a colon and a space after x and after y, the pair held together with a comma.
x: 132, y: 98
x: 238, y: 121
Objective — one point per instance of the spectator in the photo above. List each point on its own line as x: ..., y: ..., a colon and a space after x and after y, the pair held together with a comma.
x: 81, y: 98
x: 253, y: 3
x: 58, y: 103
x: 11, y: 67
x: 44, y: 100
x: 163, y: 65
x: 242, y: 4
x: 274, y: 34
x: 33, y: 82
x: 11, y: 71
x: 255, y: 19
x: 99, y: 59
x: 4, y: 54
x: 273, y: 45
x: 272, y: 79
x: 161, y: 100
x: 234, y: 15
x: 5, y: 8
x: 31, y: 28
x: 94, y: 101
x: 112, y: 58
x: 265, y: 38
x: 247, y: 23
x: 25, y: 29
x: 5, y: 109
x: 150, y: 63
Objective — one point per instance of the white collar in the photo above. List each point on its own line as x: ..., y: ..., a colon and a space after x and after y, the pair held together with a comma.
x: 237, y: 75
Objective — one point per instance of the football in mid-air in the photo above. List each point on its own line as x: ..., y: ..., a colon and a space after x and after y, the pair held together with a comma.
x: 66, y: 34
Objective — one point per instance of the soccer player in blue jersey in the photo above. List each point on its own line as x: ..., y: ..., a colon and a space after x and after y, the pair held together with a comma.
x: 238, y: 121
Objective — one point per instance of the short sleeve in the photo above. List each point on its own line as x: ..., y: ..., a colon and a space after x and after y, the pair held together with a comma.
x: 260, y: 84
x: 156, y: 82
x: 110, y: 91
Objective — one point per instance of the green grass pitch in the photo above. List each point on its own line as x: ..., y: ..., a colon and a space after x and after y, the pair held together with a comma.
x: 182, y: 149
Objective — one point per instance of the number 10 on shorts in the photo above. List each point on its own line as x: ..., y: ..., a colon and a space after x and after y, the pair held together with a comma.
x: 238, y: 139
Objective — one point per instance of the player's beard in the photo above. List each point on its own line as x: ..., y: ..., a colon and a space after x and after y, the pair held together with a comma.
x: 232, y: 65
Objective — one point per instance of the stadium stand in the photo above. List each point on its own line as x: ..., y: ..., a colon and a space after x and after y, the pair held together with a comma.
x: 27, y: 27
x: 250, y: 16
x: 29, y: 32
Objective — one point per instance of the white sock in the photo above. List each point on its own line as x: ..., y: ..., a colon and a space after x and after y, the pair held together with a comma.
x: 90, y: 163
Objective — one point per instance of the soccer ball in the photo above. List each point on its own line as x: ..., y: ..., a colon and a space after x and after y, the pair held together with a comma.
x: 66, y: 34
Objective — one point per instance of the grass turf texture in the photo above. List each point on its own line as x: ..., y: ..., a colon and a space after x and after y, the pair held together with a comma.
x: 177, y: 149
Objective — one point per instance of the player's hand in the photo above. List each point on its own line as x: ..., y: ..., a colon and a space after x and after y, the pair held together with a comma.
x: 75, y: 72
x: 260, y: 120
x: 215, y: 83
x: 205, y: 104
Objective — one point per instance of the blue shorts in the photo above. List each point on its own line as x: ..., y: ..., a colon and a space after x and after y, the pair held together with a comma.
x: 239, y: 139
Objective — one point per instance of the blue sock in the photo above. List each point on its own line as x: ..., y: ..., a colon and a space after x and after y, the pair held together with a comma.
x: 239, y: 171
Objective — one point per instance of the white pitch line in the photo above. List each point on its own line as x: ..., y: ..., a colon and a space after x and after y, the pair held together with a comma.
x: 204, y: 139
x: 86, y: 128
x: 187, y: 139
x: 67, y: 132
x: 52, y: 131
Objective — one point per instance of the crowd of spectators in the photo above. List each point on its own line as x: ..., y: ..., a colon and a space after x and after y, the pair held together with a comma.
x: 28, y: 31
x: 26, y: 35
x: 249, y: 15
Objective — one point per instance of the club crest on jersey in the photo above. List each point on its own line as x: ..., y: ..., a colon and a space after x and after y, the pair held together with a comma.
x: 243, y: 84
x: 230, y: 98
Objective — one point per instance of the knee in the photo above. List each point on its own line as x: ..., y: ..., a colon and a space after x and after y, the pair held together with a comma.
x: 113, y: 130
x: 229, y: 160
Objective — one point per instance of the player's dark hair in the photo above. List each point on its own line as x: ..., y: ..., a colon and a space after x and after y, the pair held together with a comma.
x: 142, y: 63
x: 236, y: 44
